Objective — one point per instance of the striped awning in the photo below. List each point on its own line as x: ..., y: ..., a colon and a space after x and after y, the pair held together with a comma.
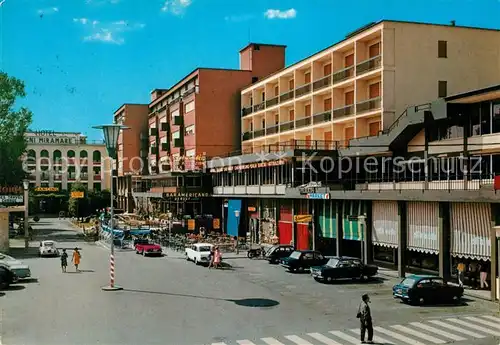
x: 328, y: 219
x: 470, y: 230
x: 423, y: 226
x: 352, y: 228
x: 385, y: 229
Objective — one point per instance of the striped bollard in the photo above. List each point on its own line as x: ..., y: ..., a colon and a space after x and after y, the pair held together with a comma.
x: 112, y: 270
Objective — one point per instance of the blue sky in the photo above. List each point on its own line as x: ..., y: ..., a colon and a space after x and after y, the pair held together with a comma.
x: 82, y: 59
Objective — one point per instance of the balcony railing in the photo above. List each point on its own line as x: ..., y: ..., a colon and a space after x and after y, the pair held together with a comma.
x: 343, y: 111
x: 323, y: 82
x: 259, y: 133
x: 246, y: 111
x: 272, y: 130
x: 306, y: 121
x: 343, y: 74
x: 272, y: 101
x: 97, y: 177
x: 322, y: 117
x: 286, y: 96
x: 368, y: 65
x: 370, y: 104
x: 259, y: 106
x: 57, y: 177
x: 286, y: 126
x: 247, y: 136
x: 302, y: 90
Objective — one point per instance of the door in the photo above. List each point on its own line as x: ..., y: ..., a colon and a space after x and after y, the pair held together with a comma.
x: 291, y: 84
x: 307, y: 260
x: 349, y: 134
x: 327, y: 137
x: 374, y: 90
x: 308, y: 110
x: 307, y: 78
x: 349, y: 98
x: 292, y: 115
x: 327, y: 104
x: 374, y: 50
x: 308, y: 141
x: 425, y: 290
x: 327, y: 69
x: 349, y: 60
x: 374, y: 128
x: 276, y: 90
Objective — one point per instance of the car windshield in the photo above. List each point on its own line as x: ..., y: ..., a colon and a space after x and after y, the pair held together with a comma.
x: 295, y: 255
x: 408, y: 282
x: 332, y: 262
x: 48, y: 244
x: 204, y: 248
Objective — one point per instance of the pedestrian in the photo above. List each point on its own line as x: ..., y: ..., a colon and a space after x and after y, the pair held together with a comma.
x: 483, y: 274
x: 474, y: 274
x: 217, y: 257
x: 76, y: 258
x: 64, y: 260
x: 211, y: 257
x: 365, y: 318
x: 461, y: 273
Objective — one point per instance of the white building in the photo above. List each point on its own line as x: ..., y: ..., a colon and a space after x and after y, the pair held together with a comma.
x: 58, y: 159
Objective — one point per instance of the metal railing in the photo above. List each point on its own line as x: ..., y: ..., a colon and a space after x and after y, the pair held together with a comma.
x: 322, y: 117
x: 247, y: 135
x: 343, y: 74
x: 272, y: 129
x: 286, y: 126
x: 343, y: 111
x: 303, y: 122
x: 259, y: 133
x: 322, y: 82
x: 370, y: 104
x: 272, y: 101
x: 246, y: 111
x: 286, y: 96
x: 259, y: 106
x: 368, y: 65
x: 302, y: 90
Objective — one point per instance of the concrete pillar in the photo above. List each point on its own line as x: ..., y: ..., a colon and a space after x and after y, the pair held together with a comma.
x: 340, y: 226
x: 494, y: 260
x: 444, y: 240
x: 313, y: 221
x: 368, y: 232
x: 4, y: 231
x: 402, y: 238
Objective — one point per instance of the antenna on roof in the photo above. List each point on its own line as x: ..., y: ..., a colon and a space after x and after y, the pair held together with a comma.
x: 453, y: 23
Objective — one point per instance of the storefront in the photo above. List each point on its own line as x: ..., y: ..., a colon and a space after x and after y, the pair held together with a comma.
x: 268, y: 231
x: 285, y: 224
x: 352, y: 227
x: 326, y: 229
x: 385, y: 231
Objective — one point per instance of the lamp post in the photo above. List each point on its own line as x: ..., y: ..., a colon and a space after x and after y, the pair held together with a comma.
x: 237, y: 215
x: 26, y: 186
x: 111, y: 133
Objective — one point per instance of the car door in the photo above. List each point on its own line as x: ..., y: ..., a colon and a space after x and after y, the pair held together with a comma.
x: 355, y: 269
x: 441, y: 290
x: 307, y: 260
x: 425, y: 290
x: 342, y: 269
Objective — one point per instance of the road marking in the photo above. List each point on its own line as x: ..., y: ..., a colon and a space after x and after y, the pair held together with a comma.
x: 219, y: 344
x: 376, y: 338
x: 457, y: 329
x: 476, y: 327
x: 272, y: 341
x: 344, y: 336
x: 437, y: 331
x: 494, y: 318
x: 323, y: 339
x: 397, y: 336
x: 484, y: 322
x: 419, y: 334
x: 245, y: 342
x: 298, y: 340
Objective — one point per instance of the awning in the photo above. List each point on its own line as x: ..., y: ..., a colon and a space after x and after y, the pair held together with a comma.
x: 328, y: 219
x: 470, y: 230
x: 385, y: 230
x: 352, y: 228
x: 423, y: 226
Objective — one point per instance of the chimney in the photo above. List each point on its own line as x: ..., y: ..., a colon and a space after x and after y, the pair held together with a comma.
x: 453, y: 23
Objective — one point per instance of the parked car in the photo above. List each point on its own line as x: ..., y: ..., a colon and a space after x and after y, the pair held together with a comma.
x: 199, y: 253
x: 303, y: 260
x: 7, y: 277
x: 278, y: 252
x: 48, y: 248
x: 21, y: 270
x: 343, y: 268
x: 146, y: 248
x: 420, y: 289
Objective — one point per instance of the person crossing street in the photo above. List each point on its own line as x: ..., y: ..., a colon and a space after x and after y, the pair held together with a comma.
x: 365, y: 317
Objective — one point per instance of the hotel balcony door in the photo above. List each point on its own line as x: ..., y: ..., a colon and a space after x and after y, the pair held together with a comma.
x: 374, y: 128
x: 327, y: 137
x: 374, y: 90
x: 327, y: 104
x: 308, y: 141
x: 349, y: 98
x: 308, y: 110
x: 349, y: 134
x: 349, y: 60
x: 374, y: 50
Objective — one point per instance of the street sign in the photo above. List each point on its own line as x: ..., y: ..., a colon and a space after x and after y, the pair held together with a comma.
x: 11, y: 199
x: 302, y: 218
x: 318, y: 196
x: 77, y: 195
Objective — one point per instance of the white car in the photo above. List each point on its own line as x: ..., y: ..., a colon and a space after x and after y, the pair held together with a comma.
x: 199, y: 253
x: 48, y: 248
x: 21, y: 270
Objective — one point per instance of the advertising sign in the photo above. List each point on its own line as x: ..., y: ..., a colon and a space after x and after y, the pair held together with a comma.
x: 216, y: 223
x: 11, y: 199
x: 77, y: 195
x: 191, y: 224
x: 303, y: 218
x: 46, y: 189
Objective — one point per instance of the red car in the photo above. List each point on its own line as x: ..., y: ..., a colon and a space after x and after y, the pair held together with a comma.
x: 146, y: 248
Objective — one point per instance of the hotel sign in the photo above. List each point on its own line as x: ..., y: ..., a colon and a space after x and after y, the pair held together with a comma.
x: 250, y: 166
x: 11, y: 190
x: 188, y: 195
x: 51, y: 138
x: 46, y: 189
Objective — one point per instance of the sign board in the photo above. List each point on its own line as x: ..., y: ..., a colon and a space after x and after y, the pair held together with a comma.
x: 267, y: 164
x: 302, y: 218
x: 77, y: 195
x: 52, y: 138
x: 46, y: 189
x: 216, y: 223
x: 251, y: 209
x: 11, y: 199
x: 310, y: 187
x: 323, y: 196
x: 191, y: 224
x: 11, y: 190
x: 188, y: 195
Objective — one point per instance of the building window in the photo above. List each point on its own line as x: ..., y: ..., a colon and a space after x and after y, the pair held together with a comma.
x: 495, y: 113
x: 263, y: 96
x: 189, y: 107
x: 442, y: 88
x: 175, y: 135
x: 277, y: 118
x: 190, y: 130
x: 175, y: 113
x: 97, y: 187
x: 191, y: 153
x: 442, y: 49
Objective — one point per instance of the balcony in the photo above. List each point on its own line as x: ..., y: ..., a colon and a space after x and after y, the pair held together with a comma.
x: 368, y: 105
x: 97, y: 177
x: 272, y: 101
x: 71, y: 160
x: 57, y: 177
x: 368, y: 65
x: 322, y: 83
x: 322, y: 117
x: 44, y: 177
x: 259, y: 133
x: 189, y: 92
x: 259, y: 106
x: 164, y: 126
x: 272, y: 130
x: 178, y: 120
x: 165, y: 146
x: 247, y: 136
x: 84, y: 176
x: 302, y: 90
x: 286, y: 96
x: 154, y: 150
x: 343, y: 111
x: 246, y: 111
x: 343, y: 74
x: 286, y: 126
x: 306, y: 121
x: 153, y: 131
x: 179, y: 142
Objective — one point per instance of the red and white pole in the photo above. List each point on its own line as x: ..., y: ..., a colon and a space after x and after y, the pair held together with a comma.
x: 112, y: 270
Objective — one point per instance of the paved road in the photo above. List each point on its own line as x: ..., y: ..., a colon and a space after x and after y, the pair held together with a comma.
x: 170, y: 301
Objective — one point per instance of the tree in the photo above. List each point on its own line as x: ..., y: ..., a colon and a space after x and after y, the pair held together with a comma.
x: 13, y: 126
x: 78, y: 206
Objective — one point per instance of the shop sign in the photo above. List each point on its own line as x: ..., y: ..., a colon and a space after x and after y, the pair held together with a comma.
x: 188, y: 195
x: 191, y: 224
x: 77, y: 195
x: 310, y: 188
x: 252, y: 209
x: 46, y: 189
x: 250, y: 166
x: 302, y: 218
x: 51, y: 138
x: 318, y: 196
x: 216, y: 223
x: 11, y: 190
x: 11, y: 199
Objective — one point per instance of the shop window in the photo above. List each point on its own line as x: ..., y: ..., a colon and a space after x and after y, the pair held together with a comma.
x: 442, y: 49
x: 442, y: 88
x: 495, y: 123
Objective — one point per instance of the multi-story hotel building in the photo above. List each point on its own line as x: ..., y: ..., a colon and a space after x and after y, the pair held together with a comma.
x: 194, y: 119
x: 132, y: 152
x: 404, y: 175
x: 58, y: 159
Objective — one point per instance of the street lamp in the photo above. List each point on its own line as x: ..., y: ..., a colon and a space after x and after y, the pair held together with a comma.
x: 111, y: 133
x: 26, y: 186
x: 237, y: 215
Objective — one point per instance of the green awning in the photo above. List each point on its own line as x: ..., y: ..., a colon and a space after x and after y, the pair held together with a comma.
x: 353, y: 229
x: 328, y: 219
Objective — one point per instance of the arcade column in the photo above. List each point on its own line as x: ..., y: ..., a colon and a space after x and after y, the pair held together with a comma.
x: 4, y: 231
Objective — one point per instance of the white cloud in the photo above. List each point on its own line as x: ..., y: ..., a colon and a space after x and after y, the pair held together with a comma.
x: 278, y: 14
x: 102, y: 2
x: 238, y: 18
x: 106, y: 36
x: 176, y: 7
x: 111, y: 32
x: 83, y: 21
x: 48, y: 10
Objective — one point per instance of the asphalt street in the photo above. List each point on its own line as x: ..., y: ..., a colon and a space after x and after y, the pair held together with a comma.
x: 168, y: 300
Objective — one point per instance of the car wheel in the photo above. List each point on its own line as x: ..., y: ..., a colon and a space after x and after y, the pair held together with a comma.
x: 195, y: 261
x: 421, y: 300
x: 187, y: 257
x: 291, y: 270
x: 317, y: 279
x: 329, y: 279
x: 143, y: 253
x: 456, y: 299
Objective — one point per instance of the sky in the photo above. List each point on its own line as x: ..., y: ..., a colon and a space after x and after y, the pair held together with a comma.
x: 82, y: 59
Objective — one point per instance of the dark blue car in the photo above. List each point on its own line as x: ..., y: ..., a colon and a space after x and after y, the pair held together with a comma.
x: 420, y: 289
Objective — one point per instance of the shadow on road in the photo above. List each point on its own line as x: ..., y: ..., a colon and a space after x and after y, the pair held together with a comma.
x: 376, y: 280
x: 29, y: 281
x: 244, y: 302
x: 15, y: 287
x: 22, y: 253
x: 2, y: 294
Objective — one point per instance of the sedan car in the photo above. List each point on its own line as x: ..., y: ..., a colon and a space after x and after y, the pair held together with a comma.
x: 301, y: 260
x: 343, y: 268
x: 276, y: 253
x: 48, y: 248
x: 420, y: 289
x: 21, y: 270
x: 148, y: 248
x: 199, y: 253
x: 7, y: 277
